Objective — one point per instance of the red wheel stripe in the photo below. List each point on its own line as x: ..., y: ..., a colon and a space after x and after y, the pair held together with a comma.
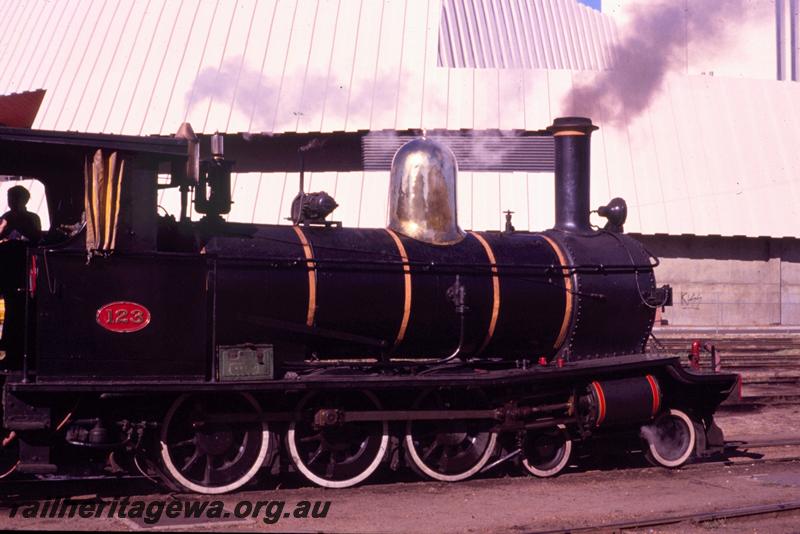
x: 656, y: 395
x: 601, y: 402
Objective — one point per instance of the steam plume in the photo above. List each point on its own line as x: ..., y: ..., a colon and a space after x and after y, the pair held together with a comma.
x: 654, y: 45
x: 254, y: 94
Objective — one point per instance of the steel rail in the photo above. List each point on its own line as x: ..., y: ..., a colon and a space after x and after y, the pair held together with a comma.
x: 699, y: 517
x: 21, y: 488
x: 782, y: 442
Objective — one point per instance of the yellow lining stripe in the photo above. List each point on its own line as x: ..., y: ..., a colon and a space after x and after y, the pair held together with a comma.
x: 118, y: 193
x: 91, y: 234
x: 401, y: 333
x: 109, y: 200
x: 495, y: 290
x: 568, y: 132
x: 312, y: 276
x: 97, y: 178
x: 562, y: 335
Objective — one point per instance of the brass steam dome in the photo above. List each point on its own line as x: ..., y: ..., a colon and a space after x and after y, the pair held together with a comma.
x: 422, y: 193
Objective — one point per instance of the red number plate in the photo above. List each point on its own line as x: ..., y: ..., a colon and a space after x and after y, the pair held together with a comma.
x: 123, y: 316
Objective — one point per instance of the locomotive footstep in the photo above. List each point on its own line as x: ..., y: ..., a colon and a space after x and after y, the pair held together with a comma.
x: 546, y: 452
x: 214, y: 457
x: 449, y: 450
x: 670, y: 439
x: 337, y: 456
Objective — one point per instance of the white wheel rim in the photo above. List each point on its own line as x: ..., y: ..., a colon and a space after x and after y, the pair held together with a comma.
x: 432, y: 473
x: 325, y: 483
x: 412, y: 451
x: 689, y: 447
x: 10, y: 470
x: 175, y: 473
x: 567, y: 451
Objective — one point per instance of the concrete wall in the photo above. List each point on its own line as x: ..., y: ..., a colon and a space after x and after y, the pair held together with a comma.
x: 729, y: 281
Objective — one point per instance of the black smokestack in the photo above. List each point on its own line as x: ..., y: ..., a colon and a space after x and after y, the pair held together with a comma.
x: 572, y: 137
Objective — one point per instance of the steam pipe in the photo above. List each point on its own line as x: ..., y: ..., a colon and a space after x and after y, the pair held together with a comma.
x: 457, y: 294
x: 192, y: 170
x: 794, y: 18
x: 461, y: 338
x: 780, y: 38
x: 572, y: 137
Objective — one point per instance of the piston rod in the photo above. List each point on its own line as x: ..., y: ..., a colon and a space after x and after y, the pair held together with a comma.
x: 333, y: 416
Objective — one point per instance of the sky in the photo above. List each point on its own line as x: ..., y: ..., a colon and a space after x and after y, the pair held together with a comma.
x: 591, y: 3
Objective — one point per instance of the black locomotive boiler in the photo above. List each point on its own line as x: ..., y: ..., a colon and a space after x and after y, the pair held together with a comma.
x: 208, y: 351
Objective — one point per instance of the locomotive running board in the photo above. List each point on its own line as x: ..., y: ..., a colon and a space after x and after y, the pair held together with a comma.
x: 723, y: 383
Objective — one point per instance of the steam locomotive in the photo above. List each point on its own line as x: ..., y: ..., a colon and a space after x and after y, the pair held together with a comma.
x: 209, y: 351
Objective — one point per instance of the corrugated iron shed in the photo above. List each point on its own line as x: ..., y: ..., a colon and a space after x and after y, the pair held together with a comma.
x: 707, y: 156
x: 524, y: 34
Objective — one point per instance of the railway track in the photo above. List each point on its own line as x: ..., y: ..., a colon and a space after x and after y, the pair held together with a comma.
x: 769, y: 362
x: 20, y: 488
x: 695, y: 518
x: 356, y: 502
x: 760, y: 513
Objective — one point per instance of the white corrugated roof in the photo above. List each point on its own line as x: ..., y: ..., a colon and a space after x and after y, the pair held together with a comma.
x: 537, y: 34
x: 287, y: 65
x: 707, y: 156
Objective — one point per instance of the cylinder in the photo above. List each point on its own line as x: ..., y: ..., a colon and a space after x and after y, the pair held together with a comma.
x: 619, y: 402
x: 572, y: 142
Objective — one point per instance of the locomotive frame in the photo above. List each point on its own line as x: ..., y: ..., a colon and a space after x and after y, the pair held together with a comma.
x: 186, y: 387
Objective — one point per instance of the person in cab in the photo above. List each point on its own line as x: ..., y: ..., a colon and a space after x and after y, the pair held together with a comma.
x: 19, y: 228
x: 18, y: 223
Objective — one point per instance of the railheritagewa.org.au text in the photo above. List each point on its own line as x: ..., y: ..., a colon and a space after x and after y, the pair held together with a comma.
x: 154, y: 511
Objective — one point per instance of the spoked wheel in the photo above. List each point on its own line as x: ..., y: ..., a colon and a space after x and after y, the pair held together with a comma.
x: 9, y: 453
x: 449, y: 450
x: 212, y: 457
x: 338, y: 456
x: 670, y: 439
x: 546, y: 452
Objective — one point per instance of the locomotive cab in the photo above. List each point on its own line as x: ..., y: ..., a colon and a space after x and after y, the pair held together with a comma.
x: 100, y: 250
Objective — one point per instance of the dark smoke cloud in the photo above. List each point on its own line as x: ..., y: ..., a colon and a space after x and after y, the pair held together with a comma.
x: 655, y: 45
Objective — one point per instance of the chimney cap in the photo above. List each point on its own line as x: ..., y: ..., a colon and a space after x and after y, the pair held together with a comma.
x: 583, y: 125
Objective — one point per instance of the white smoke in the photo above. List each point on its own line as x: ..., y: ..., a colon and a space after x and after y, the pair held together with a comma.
x: 664, y: 441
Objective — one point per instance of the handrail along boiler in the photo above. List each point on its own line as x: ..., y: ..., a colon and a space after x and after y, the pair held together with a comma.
x: 208, y: 351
